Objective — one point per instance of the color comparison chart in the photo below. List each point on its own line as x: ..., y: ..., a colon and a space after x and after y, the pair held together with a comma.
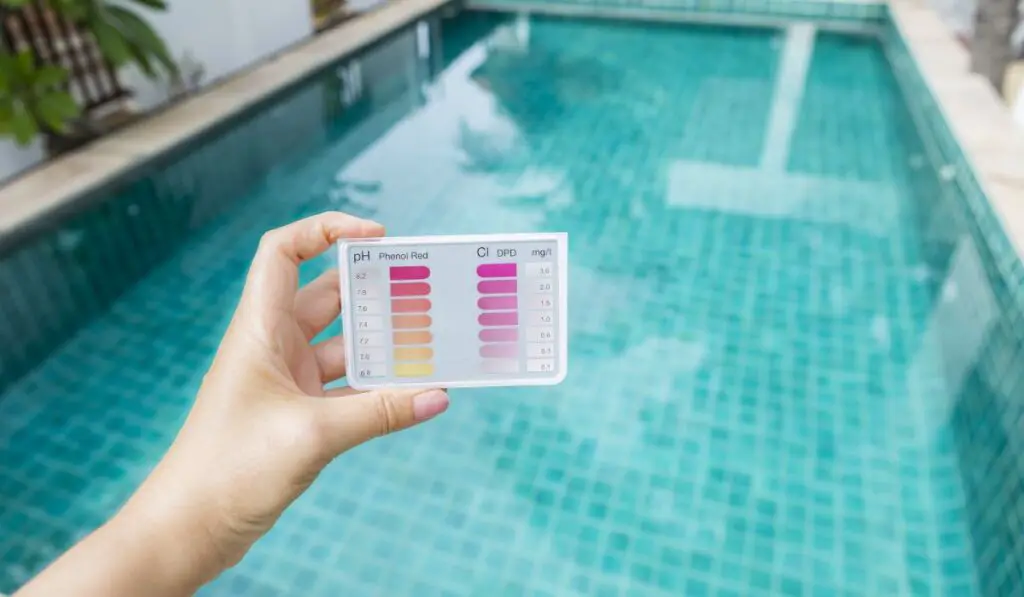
x: 455, y: 311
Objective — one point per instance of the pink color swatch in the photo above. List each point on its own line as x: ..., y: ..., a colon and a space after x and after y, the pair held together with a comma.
x: 499, y: 318
x: 410, y: 289
x: 498, y: 351
x: 498, y: 303
x: 500, y: 335
x: 497, y: 287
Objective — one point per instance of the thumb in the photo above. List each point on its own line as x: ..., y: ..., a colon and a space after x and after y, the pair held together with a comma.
x: 355, y: 417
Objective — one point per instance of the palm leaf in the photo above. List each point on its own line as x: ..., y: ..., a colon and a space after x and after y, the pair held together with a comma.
x: 145, y: 40
x: 111, y: 42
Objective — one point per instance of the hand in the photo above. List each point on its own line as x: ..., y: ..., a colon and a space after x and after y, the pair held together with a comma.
x: 261, y: 430
x: 262, y: 426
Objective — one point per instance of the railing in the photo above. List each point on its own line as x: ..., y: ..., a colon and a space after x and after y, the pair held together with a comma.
x: 53, y: 40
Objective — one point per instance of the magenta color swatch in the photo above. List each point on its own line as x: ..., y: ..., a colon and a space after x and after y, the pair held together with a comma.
x: 410, y: 272
x: 496, y: 270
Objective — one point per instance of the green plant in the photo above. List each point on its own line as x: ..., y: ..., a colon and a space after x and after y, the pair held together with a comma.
x: 33, y: 97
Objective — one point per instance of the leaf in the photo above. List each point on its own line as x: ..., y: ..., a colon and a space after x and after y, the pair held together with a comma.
x: 160, y: 5
x: 23, y: 125
x: 51, y: 119
x: 49, y: 76
x: 74, y: 10
x: 146, y: 41
x: 142, y: 60
x: 25, y: 65
x: 54, y: 113
x: 6, y: 117
x: 56, y: 110
x: 111, y: 42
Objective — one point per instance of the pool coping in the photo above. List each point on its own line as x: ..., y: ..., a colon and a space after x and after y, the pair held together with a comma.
x: 53, y: 186
x: 981, y: 124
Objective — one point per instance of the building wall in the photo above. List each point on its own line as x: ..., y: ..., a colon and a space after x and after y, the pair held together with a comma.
x: 14, y: 159
x: 222, y: 36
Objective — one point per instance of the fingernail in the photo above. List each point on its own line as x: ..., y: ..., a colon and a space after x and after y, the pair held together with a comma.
x: 429, y: 404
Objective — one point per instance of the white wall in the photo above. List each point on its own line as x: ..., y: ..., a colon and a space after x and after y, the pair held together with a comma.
x: 1018, y: 107
x: 14, y: 159
x: 957, y: 14
x: 222, y: 35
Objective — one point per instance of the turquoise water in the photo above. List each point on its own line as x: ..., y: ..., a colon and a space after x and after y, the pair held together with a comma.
x: 753, y: 405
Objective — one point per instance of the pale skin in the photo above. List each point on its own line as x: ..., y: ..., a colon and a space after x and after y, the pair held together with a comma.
x: 261, y: 430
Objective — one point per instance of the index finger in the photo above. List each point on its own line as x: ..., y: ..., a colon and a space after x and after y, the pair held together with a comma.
x: 273, y: 279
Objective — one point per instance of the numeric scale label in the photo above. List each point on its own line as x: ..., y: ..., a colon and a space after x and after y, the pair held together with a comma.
x: 455, y: 311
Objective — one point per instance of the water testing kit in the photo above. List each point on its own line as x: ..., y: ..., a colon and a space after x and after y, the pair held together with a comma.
x: 455, y: 311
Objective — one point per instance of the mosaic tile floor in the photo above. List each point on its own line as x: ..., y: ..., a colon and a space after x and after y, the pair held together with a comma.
x: 748, y: 411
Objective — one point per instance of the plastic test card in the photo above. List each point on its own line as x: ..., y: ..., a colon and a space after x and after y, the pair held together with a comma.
x: 455, y: 311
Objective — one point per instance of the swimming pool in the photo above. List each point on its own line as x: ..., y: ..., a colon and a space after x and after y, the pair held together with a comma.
x: 767, y: 279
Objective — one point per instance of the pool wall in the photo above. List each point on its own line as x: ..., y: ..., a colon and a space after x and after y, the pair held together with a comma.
x: 984, y: 343
x: 60, y: 280
x: 849, y: 12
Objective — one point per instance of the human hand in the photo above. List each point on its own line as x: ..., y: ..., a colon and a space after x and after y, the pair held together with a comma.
x: 262, y: 426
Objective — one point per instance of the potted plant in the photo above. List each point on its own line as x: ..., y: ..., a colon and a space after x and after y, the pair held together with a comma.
x: 35, y: 98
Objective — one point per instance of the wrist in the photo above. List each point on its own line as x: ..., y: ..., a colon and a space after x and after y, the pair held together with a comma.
x: 173, y: 538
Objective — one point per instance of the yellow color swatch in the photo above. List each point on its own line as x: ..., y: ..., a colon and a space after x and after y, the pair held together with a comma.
x: 414, y: 369
x: 419, y: 353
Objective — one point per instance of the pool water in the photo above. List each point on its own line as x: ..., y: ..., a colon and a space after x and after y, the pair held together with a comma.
x: 754, y: 373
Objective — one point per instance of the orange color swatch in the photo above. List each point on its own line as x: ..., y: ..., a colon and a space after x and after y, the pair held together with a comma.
x: 410, y: 305
x: 412, y: 338
x: 410, y: 322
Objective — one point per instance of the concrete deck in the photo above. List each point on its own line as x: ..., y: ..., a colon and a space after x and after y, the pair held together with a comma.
x: 981, y: 122
x: 57, y: 183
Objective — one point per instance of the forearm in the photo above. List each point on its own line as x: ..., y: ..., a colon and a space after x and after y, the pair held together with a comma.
x: 140, y: 551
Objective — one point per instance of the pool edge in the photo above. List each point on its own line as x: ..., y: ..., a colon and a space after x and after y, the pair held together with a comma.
x: 978, y: 121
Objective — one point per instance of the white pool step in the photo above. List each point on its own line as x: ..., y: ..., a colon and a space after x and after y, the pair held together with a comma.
x: 869, y: 206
